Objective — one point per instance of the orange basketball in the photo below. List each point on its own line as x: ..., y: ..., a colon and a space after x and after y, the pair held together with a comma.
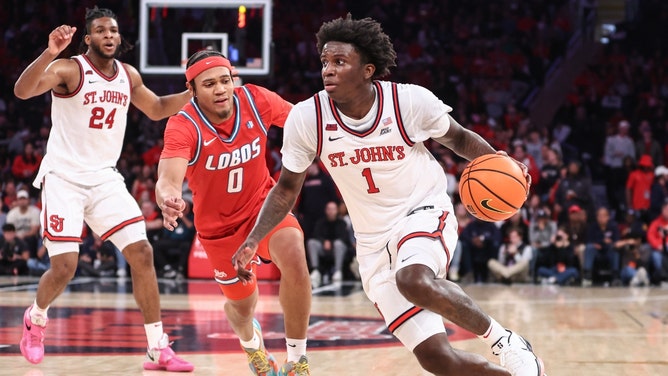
x: 492, y: 187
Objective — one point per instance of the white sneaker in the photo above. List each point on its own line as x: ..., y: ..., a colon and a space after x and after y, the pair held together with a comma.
x: 643, y: 277
x: 337, y: 277
x: 316, y: 279
x: 517, y: 356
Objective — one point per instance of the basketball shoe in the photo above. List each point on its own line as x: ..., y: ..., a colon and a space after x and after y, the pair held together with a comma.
x: 517, y: 356
x: 261, y: 363
x: 299, y: 368
x: 164, y: 359
x: 32, y: 342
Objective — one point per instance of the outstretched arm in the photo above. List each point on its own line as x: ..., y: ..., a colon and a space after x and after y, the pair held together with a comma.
x: 277, y: 205
x: 171, y: 172
x: 154, y: 106
x: 41, y: 76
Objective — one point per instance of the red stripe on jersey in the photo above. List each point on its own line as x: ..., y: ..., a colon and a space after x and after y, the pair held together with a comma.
x: 403, y: 318
x: 318, y: 117
x: 81, y: 82
x: 108, y: 78
x: 376, y: 121
x: 119, y: 226
x: 397, y: 114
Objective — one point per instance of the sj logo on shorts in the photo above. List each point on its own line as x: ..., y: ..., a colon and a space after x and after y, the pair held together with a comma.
x: 56, y: 223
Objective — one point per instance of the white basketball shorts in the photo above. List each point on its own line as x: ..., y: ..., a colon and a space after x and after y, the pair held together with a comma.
x: 108, y: 209
x: 427, y: 237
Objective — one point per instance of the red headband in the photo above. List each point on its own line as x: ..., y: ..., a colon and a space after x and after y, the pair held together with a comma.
x: 206, y: 63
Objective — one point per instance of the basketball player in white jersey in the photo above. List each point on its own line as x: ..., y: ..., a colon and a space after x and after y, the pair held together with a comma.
x: 91, y: 94
x: 370, y: 135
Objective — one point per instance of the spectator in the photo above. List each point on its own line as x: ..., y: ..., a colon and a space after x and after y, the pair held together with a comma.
x: 657, y: 237
x: 549, y: 173
x: 143, y: 187
x: 659, y: 191
x: 601, y: 258
x: 97, y: 258
x: 648, y: 145
x: 520, y: 153
x: 14, y: 252
x: 561, y: 263
x: 39, y: 262
x: 514, y: 259
x: 576, y: 228
x: 25, y: 217
x: 329, y: 240
x: 516, y: 222
x: 171, y: 251
x: 573, y: 189
x: 639, y: 186
x: 480, y: 242
x: 25, y: 165
x: 153, y: 220
x: 617, y: 146
x: 151, y: 157
x: 542, y: 231
x: 463, y: 219
x: 317, y: 191
x: 8, y: 195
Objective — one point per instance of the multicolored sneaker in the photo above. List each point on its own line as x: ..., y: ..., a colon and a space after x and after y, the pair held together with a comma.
x: 261, y: 363
x: 164, y: 358
x: 517, y: 356
x: 32, y: 342
x: 299, y: 368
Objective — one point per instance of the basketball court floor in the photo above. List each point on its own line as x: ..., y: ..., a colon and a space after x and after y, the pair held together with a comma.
x: 95, y: 329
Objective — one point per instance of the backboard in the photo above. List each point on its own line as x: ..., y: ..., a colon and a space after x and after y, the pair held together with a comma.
x: 172, y: 30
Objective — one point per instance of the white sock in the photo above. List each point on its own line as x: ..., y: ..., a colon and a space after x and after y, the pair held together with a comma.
x: 493, y: 333
x: 154, y: 335
x: 38, y: 315
x: 296, y: 348
x: 253, y: 343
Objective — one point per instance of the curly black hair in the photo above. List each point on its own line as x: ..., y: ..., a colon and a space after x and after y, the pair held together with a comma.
x: 368, y: 38
x: 93, y: 14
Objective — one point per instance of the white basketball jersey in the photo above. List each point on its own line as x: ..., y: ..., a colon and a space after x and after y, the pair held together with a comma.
x: 88, y: 126
x: 379, y: 163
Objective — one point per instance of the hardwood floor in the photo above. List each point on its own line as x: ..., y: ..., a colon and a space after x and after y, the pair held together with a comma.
x: 95, y: 329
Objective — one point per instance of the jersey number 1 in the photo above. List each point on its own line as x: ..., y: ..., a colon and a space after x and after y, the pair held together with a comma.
x: 369, y: 181
x: 96, y: 116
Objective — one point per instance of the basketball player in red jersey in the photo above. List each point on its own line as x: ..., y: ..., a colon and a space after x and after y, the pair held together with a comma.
x: 91, y: 94
x: 218, y: 143
x: 371, y: 135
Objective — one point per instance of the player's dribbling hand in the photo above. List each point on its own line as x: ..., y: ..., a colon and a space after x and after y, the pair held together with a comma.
x: 60, y: 38
x: 524, y: 168
x: 172, y: 210
x: 241, y: 258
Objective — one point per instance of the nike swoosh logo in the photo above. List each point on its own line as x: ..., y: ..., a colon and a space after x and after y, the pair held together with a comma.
x: 485, y: 204
x: 91, y: 82
x: 292, y: 345
x: 404, y: 260
x: 206, y: 143
x: 335, y: 138
x: 28, y: 326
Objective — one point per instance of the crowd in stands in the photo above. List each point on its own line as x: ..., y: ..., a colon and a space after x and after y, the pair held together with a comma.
x: 597, y: 210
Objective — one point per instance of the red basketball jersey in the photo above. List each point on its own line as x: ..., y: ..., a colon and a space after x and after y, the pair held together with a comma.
x: 227, y: 170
